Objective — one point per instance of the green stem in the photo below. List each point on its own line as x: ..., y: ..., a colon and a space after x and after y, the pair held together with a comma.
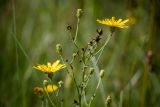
x: 78, y: 20
x: 73, y: 78
x: 102, y: 48
x: 49, y: 97
x: 42, y: 103
x: 121, y: 99
x: 96, y: 68
x: 92, y: 98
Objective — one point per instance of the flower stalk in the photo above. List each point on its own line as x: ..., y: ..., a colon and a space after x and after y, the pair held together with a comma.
x: 83, y: 55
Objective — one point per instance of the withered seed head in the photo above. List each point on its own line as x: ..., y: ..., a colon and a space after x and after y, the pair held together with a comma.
x: 66, y: 60
x: 80, y: 61
x: 69, y: 27
x: 71, y: 67
x: 83, y: 49
x: 76, y: 102
x: 99, y: 31
x: 98, y: 38
x: 38, y: 90
x: 91, y: 43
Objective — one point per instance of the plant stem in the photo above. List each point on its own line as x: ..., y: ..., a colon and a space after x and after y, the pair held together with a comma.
x: 121, y: 99
x: 78, y: 20
x: 102, y: 48
x: 42, y: 103
x: 94, y: 94
x: 73, y: 78
x: 49, y: 97
x: 96, y: 68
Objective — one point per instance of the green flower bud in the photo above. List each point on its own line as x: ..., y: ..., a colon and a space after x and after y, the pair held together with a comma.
x: 45, y: 82
x: 85, y: 77
x: 59, y: 49
x: 79, y: 13
x: 74, y: 55
x: 60, y: 83
x: 101, y: 73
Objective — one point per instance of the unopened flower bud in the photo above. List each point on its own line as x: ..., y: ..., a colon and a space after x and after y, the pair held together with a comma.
x: 85, y: 77
x: 74, y: 55
x: 108, y: 101
x: 101, y: 73
x: 79, y: 13
x: 59, y: 49
x: 45, y: 82
x: 60, y: 83
x: 91, y: 70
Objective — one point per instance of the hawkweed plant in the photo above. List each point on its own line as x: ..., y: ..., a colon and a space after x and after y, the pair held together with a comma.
x: 82, y: 55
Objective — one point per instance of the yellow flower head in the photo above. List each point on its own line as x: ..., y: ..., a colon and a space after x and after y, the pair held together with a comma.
x: 114, y: 23
x: 50, y: 88
x: 50, y: 68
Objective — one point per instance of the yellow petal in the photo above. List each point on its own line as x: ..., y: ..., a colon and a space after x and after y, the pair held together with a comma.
x: 51, y: 88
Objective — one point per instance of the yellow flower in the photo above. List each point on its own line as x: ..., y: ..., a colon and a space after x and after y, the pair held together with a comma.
x: 114, y: 23
x: 50, y: 88
x: 50, y: 68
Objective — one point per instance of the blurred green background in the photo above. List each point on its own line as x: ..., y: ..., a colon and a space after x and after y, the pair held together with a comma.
x: 30, y: 30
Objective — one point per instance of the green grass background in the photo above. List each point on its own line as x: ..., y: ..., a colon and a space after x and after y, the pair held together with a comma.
x: 30, y: 29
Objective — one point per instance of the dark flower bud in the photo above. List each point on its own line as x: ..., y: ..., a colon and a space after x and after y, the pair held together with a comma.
x: 66, y: 60
x: 76, y: 102
x: 83, y: 49
x: 98, y: 38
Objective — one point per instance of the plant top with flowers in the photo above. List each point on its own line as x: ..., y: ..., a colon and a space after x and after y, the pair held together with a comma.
x: 87, y: 57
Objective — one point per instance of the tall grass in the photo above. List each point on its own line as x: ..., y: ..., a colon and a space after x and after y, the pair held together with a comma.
x: 31, y: 29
